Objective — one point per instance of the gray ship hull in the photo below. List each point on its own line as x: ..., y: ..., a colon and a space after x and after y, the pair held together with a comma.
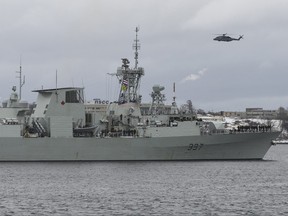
x: 209, y: 147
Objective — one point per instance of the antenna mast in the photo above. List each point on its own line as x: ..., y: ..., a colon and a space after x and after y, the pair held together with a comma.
x: 56, y: 80
x: 174, y: 95
x: 174, y: 109
x: 21, y: 83
x: 136, y: 47
x: 130, y: 78
x: 56, y: 86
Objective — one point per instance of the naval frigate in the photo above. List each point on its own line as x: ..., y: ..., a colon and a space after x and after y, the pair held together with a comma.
x: 57, y: 129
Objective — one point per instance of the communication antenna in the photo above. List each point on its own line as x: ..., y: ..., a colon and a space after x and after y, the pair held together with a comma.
x: 56, y: 81
x: 136, y: 47
x: 174, y: 108
x: 174, y: 95
x: 21, y: 83
x: 56, y: 86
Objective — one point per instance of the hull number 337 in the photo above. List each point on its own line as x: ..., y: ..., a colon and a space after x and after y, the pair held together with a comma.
x: 195, y: 146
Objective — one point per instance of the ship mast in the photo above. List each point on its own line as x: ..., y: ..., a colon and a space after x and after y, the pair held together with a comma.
x: 157, y: 105
x: 174, y: 95
x: 21, y: 83
x: 130, y: 78
x: 136, y: 47
x: 174, y: 108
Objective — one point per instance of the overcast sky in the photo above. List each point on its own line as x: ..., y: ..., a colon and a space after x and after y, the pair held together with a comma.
x: 85, y: 39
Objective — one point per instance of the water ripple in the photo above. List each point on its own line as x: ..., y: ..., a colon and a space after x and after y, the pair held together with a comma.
x: 147, y: 188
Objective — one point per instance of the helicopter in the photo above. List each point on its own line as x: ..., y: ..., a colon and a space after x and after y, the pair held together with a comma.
x: 226, y: 38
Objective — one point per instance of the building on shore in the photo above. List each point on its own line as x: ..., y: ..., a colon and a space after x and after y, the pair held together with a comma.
x: 261, y: 113
x: 233, y: 114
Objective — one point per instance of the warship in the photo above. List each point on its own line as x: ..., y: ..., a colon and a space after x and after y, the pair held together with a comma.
x: 58, y: 128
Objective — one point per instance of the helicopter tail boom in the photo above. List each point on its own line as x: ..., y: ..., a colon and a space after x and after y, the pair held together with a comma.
x: 240, y: 37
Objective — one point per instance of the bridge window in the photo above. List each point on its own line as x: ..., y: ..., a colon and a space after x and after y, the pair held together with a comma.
x: 73, y: 96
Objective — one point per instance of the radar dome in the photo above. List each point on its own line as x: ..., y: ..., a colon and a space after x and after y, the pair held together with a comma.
x: 158, y: 88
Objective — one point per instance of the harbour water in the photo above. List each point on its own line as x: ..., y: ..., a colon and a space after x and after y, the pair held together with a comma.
x: 147, y: 188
